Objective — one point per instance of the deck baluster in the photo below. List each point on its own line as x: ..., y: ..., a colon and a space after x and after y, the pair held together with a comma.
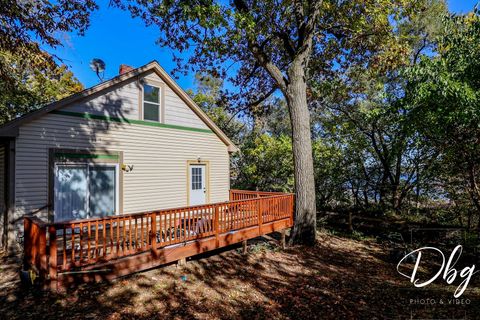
x: 96, y: 240
x: 89, y: 234
x: 104, y: 240
x: 64, y: 238
x: 81, y: 242
x: 73, y: 244
x: 153, y: 231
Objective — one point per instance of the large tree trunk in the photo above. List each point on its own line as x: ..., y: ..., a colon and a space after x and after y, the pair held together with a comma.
x: 294, y: 87
x: 305, y: 206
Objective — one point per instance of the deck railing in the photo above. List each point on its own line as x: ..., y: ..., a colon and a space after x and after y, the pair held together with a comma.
x: 245, y: 194
x: 52, y: 248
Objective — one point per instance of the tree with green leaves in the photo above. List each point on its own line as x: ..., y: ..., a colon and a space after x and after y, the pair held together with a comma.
x: 364, y: 114
x: 263, y: 138
x: 25, y: 25
x: 29, y: 76
x: 269, y: 46
x: 25, y: 22
x: 31, y: 85
x: 273, y: 53
x: 264, y: 163
x: 443, y: 93
x: 208, y: 96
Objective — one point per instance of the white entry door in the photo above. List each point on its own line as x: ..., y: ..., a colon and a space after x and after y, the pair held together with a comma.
x: 198, y: 188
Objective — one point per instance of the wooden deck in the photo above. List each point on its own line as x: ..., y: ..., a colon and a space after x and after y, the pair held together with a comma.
x: 106, y: 248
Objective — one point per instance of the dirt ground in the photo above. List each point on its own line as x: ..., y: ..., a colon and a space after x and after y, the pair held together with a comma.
x: 339, y: 278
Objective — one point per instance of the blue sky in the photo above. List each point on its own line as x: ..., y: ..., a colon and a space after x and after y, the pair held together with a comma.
x: 117, y: 38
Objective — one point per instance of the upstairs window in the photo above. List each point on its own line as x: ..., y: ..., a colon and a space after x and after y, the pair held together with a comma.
x: 151, y: 103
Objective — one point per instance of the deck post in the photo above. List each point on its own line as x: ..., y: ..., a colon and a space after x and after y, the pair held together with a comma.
x: 291, y: 208
x: 153, y: 233
x: 216, y: 220
x: 244, y: 247
x: 42, y: 252
x: 52, y: 261
x: 259, y: 212
x: 282, y: 241
x: 35, y: 246
x: 182, y: 262
x: 27, y: 243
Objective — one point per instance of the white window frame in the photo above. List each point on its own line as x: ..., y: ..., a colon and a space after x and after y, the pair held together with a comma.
x: 159, y: 104
x: 87, y: 196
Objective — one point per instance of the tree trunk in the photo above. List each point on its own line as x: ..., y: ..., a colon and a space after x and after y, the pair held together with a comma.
x: 469, y: 220
x: 460, y: 218
x: 396, y: 199
x: 474, y: 192
x: 350, y: 221
x: 417, y: 190
x: 305, y: 206
x: 383, y: 187
x: 366, y: 203
x: 356, y: 199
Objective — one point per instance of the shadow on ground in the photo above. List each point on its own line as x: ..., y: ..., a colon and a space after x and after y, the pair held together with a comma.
x: 339, y: 278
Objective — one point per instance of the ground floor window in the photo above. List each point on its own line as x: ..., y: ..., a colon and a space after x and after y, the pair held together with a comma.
x: 85, y: 191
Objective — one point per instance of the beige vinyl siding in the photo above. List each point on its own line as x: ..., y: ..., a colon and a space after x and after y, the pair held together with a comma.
x: 151, y: 75
x: 176, y: 110
x: 159, y: 157
x: 120, y: 101
x: 178, y: 113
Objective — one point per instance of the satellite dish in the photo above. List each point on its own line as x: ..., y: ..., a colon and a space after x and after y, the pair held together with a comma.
x: 98, y: 66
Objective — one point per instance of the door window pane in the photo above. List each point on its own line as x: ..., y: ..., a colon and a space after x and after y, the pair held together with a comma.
x: 151, y: 112
x: 70, y: 192
x: 102, y: 191
x: 196, y: 178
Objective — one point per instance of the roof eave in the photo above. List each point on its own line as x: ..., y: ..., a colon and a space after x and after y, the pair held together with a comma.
x: 10, y: 129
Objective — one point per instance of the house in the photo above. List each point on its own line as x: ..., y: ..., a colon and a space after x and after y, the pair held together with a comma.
x: 122, y: 177
x: 134, y: 143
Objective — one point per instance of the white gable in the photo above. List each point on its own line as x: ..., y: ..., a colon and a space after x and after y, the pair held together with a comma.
x: 123, y: 101
x: 119, y: 101
x: 176, y: 110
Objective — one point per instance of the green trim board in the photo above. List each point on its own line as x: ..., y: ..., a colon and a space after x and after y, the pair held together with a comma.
x: 65, y: 155
x: 90, y: 116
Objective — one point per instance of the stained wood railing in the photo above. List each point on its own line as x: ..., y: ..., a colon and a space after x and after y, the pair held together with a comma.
x: 245, y: 194
x: 73, y: 245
